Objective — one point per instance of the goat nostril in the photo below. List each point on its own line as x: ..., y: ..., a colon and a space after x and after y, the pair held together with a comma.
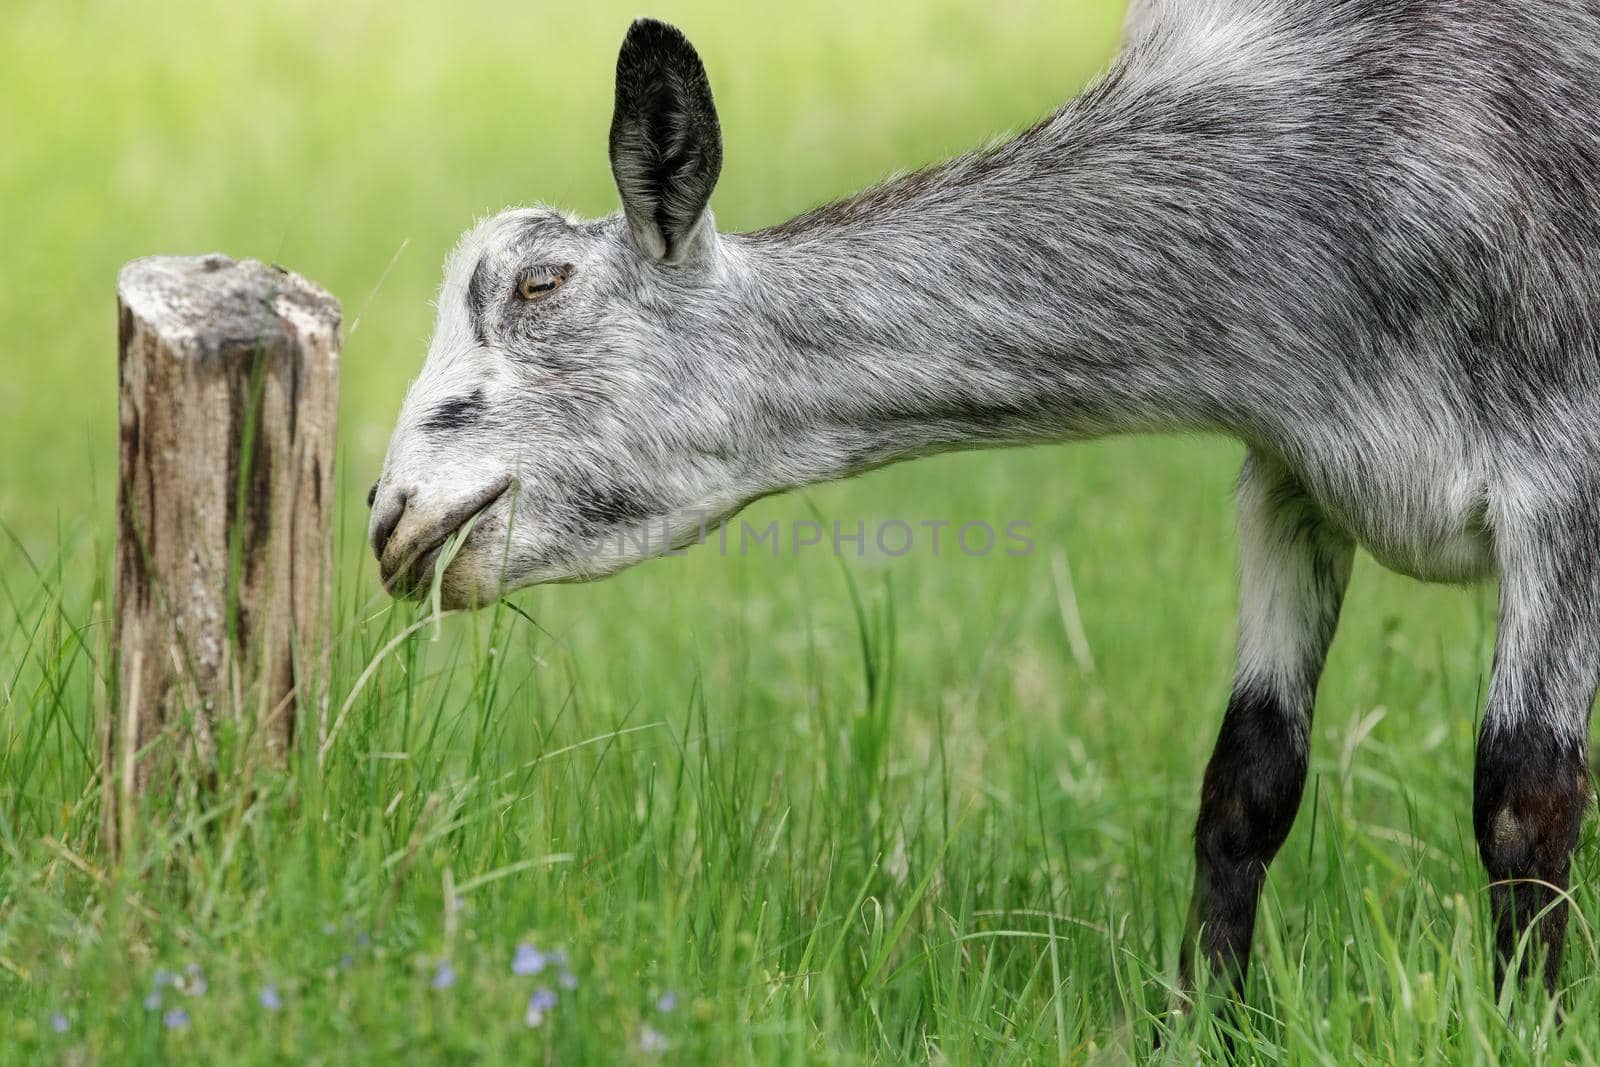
x: 372, y: 495
x: 385, y: 520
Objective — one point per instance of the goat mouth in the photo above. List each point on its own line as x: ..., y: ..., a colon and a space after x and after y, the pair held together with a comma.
x: 414, y: 571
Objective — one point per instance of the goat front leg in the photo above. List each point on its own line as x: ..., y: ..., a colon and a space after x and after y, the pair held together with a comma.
x: 1293, y: 570
x: 1531, y: 786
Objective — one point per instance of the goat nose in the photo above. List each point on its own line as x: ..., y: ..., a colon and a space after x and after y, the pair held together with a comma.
x: 372, y: 495
x: 387, y: 508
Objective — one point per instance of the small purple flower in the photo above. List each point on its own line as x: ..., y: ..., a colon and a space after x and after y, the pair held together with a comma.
x: 363, y: 941
x: 558, y: 958
x: 163, y: 978
x: 568, y: 980
x: 444, y: 975
x: 541, y: 1003
x: 175, y: 1019
x: 528, y: 960
x: 152, y: 1000
x: 652, y: 1041
x: 59, y: 1022
x: 346, y: 962
x: 270, y: 998
x: 666, y: 1003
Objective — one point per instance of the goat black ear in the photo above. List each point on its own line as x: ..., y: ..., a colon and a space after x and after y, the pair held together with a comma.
x: 666, y: 144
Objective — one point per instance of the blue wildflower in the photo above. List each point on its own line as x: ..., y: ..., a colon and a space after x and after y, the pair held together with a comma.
x: 528, y: 960
x: 270, y: 998
x: 175, y: 1019
x: 163, y: 978
x: 568, y: 980
x: 540, y: 1003
x: 666, y: 1002
x: 152, y: 1000
x: 60, y: 1023
x: 444, y: 976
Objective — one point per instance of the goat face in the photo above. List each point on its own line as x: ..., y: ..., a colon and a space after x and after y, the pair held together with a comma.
x: 564, y: 418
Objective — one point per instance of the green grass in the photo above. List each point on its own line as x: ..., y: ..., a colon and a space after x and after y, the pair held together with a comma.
x: 869, y: 811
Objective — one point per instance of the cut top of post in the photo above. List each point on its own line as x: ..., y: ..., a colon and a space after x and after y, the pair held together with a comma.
x: 215, y: 303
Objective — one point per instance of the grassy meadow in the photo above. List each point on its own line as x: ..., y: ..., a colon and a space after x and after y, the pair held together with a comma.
x: 735, y: 809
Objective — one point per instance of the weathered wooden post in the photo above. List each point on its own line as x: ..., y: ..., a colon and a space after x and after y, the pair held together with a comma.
x: 229, y: 386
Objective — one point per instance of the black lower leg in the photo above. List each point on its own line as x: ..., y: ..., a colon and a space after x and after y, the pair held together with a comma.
x: 1530, y: 793
x: 1248, y: 803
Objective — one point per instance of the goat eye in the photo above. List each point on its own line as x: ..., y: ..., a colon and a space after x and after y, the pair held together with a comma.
x: 539, y: 283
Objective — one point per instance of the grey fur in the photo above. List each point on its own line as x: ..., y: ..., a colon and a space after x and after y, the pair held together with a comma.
x: 1361, y: 236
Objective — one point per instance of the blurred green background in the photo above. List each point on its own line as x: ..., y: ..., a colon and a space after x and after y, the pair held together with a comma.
x: 1037, y: 791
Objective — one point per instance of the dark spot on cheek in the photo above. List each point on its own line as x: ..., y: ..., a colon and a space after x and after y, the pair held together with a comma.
x: 456, y: 414
x: 607, y: 507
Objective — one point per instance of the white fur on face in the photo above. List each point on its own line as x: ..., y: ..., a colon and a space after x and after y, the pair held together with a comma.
x: 586, y: 401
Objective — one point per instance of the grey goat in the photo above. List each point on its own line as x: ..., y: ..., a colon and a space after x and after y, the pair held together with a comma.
x: 1361, y: 236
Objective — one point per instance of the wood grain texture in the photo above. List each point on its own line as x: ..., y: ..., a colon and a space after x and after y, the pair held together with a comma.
x: 229, y: 384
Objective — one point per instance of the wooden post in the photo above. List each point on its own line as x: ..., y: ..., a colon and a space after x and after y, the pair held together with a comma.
x: 229, y: 386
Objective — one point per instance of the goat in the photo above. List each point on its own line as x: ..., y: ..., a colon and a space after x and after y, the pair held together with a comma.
x: 1361, y: 236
